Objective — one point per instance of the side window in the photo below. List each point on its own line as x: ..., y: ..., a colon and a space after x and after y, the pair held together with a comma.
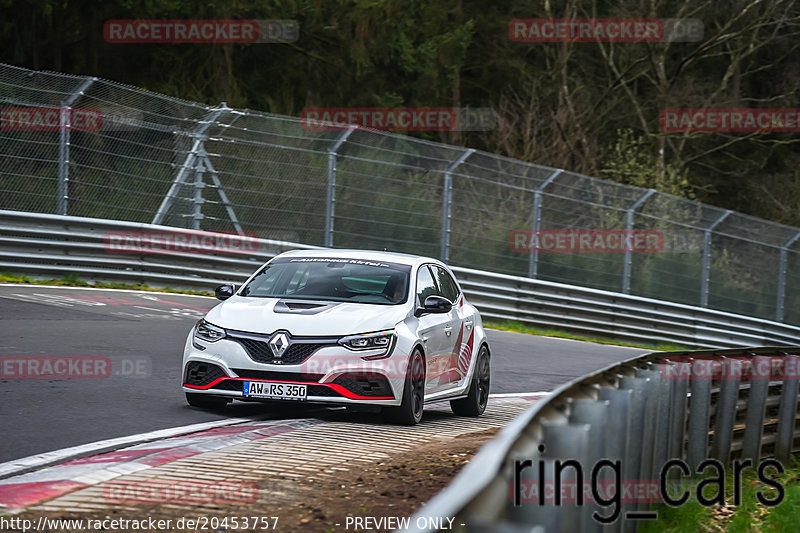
x: 425, y: 284
x: 446, y: 284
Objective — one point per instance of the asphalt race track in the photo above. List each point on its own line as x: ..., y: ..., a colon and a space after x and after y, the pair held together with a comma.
x: 143, y: 334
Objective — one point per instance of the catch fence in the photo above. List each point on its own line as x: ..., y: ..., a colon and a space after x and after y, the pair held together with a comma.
x: 87, y: 147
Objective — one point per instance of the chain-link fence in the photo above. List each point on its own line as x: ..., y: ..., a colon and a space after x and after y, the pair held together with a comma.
x: 87, y: 147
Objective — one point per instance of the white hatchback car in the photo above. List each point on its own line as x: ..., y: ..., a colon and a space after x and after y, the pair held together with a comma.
x: 342, y: 327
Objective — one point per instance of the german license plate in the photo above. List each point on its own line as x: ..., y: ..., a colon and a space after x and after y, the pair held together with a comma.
x: 274, y: 391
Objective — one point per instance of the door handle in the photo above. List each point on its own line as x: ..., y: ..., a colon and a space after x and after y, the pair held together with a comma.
x: 448, y: 329
x: 468, y: 324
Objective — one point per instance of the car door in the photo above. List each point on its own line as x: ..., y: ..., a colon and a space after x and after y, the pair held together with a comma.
x: 458, y: 330
x: 431, y: 329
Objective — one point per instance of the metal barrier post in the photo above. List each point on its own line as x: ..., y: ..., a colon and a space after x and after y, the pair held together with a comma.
x: 782, y: 277
x: 787, y: 411
x: 663, y: 397
x: 677, y: 422
x: 63, y: 148
x: 536, y: 221
x: 756, y: 406
x: 330, y: 197
x: 632, y: 460
x: 706, y: 275
x: 726, y: 410
x: 447, y: 201
x: 567, y: 441
x: 619, y: 401
x: 626, y: 273
x: 699, y: 405
x: 649, y: 422
x: 595, y: 415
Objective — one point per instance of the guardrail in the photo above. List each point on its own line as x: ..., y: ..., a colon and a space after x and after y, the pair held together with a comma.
x: 687, y: 406
x: 45, y: 245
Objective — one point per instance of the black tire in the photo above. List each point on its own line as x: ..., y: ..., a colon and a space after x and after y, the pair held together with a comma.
x: 410, y: 411
x: 204, y: 401
x: 477, y: 398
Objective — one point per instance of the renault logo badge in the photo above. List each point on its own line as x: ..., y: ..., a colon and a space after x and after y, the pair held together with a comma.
x: 278, y: 344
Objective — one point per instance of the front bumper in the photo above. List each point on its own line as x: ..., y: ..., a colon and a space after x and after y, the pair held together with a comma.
x: 332, y: 374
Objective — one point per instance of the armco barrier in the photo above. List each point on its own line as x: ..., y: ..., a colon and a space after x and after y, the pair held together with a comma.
x: 54, y: 245
x: 723, y: 405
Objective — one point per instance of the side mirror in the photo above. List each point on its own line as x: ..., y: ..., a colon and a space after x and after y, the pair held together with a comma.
x: 223, y: 292
x: 434, y: 304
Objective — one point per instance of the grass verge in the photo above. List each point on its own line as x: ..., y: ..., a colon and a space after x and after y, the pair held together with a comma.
x: 749, y: 516
x: 73, y: 280
x: 519, y: 327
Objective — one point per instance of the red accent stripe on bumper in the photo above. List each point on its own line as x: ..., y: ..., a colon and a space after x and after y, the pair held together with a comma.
x: 338, y: 388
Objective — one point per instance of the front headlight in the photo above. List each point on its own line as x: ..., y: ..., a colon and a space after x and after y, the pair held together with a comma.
x: 208, y: 332
x: 380, y: 340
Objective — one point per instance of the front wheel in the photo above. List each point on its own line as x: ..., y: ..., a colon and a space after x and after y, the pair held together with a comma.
x: 477, y: 398
x: 204, y: 401
x: 410, y: 410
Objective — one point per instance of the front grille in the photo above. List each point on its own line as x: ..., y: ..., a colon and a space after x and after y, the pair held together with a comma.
x: 365, y: 384
x: 200, y: 374
x: 229, y: 384
x: 299, y: 349
x: 319, y: 390
x: 260, y: 352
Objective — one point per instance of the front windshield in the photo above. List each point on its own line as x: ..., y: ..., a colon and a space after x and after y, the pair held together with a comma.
x: 336, y: 279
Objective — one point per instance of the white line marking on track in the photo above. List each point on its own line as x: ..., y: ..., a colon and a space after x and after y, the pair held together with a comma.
x: 34, y: 462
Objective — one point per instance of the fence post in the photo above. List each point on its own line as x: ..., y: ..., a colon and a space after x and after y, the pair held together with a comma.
x: 189, y: 162
x: 62, y: 198
x: 330, y: 197
x: 626, y: 266
x: 197, y: 200
x: 782, y: 277
x: 705, y: 276
x: 447, y: 203
x: 533, y: 261
x: 205, y: 165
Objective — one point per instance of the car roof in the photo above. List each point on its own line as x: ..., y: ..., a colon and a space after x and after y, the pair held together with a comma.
x: 370, y: 255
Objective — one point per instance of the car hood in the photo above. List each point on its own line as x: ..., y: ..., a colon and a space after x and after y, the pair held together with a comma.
x: 266, y: 315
